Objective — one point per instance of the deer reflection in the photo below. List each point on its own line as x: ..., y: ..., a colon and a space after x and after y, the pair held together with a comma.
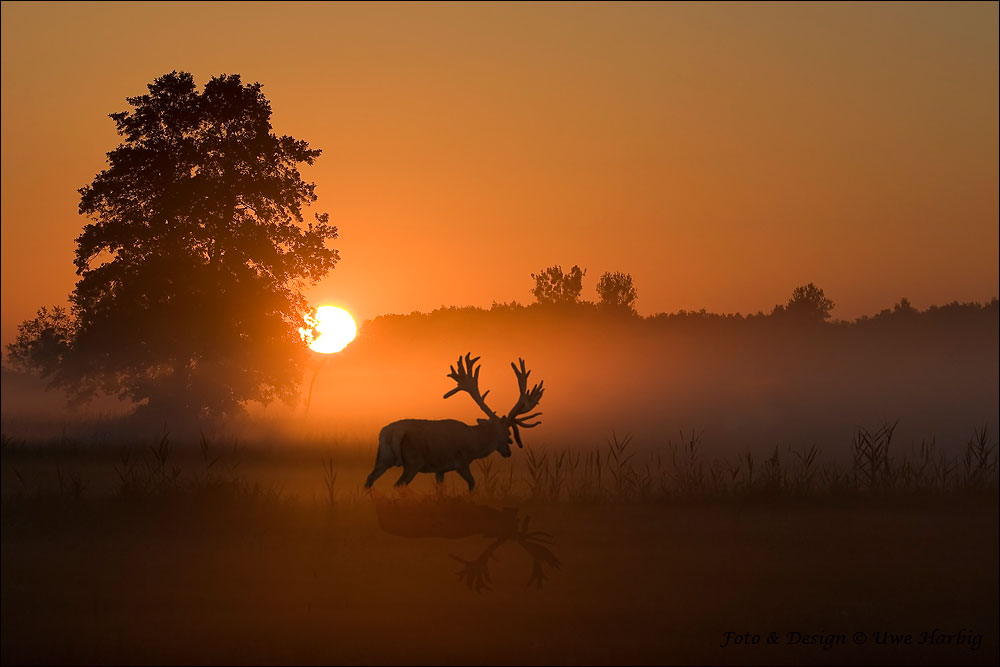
x: 415, y: 515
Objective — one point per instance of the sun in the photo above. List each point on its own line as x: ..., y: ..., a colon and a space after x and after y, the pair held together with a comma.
x: 330, y: 331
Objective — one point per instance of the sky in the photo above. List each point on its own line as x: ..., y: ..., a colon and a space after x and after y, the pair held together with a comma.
x: 720, y: 153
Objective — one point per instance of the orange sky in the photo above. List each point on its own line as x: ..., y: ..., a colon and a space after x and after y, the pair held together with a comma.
x: 722, y: 154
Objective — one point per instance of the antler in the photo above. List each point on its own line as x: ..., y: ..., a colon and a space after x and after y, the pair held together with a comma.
x: 467, y: 379
x: 526, y: 401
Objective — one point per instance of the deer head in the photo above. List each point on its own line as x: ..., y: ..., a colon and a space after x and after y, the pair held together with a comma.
x: 466, y: 376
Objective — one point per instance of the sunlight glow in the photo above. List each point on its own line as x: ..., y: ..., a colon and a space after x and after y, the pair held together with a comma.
x: 330, y: 331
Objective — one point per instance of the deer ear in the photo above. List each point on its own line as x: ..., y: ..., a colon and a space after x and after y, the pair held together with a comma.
x: 482, y: 421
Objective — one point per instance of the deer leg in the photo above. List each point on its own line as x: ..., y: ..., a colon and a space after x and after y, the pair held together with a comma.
x: 376, y: 473
x: 439, y: 477
x: 406, y: 477
x: 466, y: 474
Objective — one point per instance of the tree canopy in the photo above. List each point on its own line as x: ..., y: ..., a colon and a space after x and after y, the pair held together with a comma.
x: 808, y: 303
x: 617, y: 291
x: 191, y: 271
x: 552, y: 286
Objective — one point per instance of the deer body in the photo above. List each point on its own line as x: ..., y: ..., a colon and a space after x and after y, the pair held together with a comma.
x: 437, y: 446
x: 440, y: 446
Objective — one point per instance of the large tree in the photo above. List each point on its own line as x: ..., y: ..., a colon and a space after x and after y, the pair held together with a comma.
x: 191, y: 272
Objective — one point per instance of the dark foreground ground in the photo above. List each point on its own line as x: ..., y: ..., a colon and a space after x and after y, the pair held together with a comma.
x: 202, y: 578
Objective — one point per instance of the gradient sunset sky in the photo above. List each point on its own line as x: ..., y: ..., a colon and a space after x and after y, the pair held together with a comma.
x: 720, y: 153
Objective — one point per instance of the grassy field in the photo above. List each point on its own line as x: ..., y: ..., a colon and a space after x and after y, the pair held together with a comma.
x: 255, y: 557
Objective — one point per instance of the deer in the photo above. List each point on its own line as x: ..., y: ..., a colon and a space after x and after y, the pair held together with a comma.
x: 442, y: 445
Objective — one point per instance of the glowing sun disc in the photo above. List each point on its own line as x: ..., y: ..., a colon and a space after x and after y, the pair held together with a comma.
x: 335, y: 327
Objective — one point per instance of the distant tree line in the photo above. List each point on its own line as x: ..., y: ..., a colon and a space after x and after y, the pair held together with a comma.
x: 616, y: 292
x: 902, y: 314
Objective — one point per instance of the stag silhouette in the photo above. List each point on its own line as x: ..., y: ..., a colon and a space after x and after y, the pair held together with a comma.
x: 439, y: 446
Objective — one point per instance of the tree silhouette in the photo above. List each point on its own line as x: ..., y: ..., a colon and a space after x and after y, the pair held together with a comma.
x: 191, y: 272
x: 552, y: 286
x: 616, y: 291
x: 904, y: 308
x: 807, y: 303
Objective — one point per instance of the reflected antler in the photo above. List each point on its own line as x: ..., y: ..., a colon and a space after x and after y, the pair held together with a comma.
x: 535, y: 543
x: 467, y: 379
x: 526, y: 402
x: 475, y: 573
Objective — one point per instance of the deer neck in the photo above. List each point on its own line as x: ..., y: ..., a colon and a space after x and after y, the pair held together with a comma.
x: 486, y: 440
